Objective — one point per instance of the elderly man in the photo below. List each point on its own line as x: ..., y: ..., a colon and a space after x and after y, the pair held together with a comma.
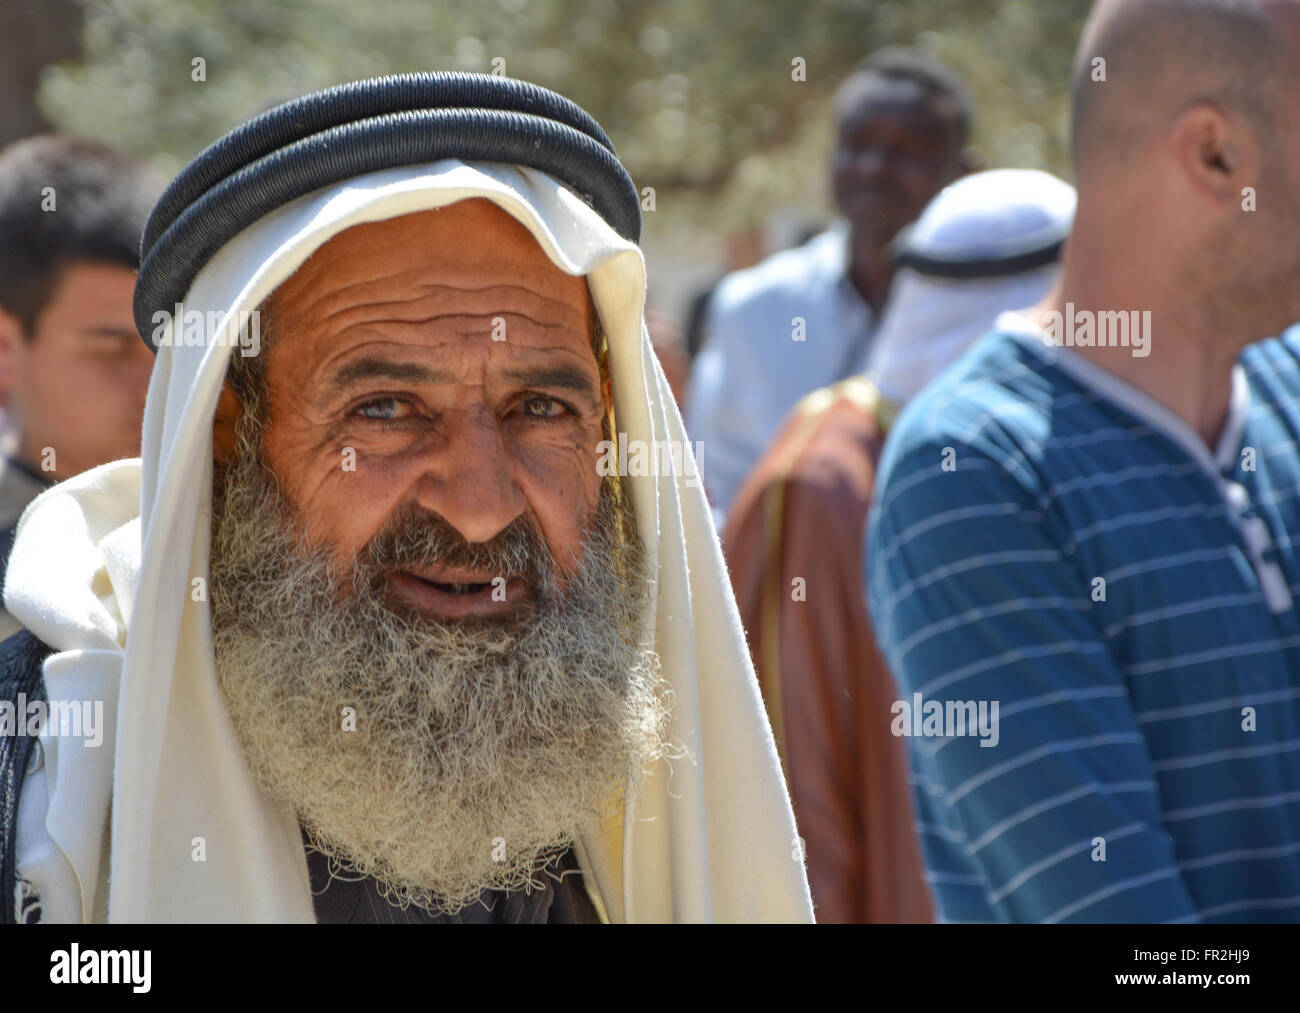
x: 379, y: 635
x: 805, y: 318
x: 1084, y: 535
x: 988, y: 243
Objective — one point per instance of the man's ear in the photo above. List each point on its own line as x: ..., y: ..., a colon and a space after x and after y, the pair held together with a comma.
x: 1216, y: 155
x: 13, y: 348
x: 229, y: 411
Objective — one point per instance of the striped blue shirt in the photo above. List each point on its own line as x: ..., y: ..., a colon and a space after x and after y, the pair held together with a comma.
x: 1048, y: 538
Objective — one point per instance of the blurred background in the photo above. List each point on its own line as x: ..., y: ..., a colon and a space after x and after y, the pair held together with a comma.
x: 722, y: 107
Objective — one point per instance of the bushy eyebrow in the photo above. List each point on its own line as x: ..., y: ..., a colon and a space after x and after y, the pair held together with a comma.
x: 554, y: 377
x: 110, y: 332
x: 374, y: 368
x: 557, y: 377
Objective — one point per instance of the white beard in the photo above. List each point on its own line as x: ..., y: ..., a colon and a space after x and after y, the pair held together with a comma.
x: 476, y: 751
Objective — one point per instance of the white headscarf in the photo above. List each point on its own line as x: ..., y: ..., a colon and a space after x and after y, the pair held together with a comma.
x: 709, y: 837
x: 986, y: 216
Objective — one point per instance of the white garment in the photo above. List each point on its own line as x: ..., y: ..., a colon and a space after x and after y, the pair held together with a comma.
x: 773, y: 333
x: 931, y: 321
x: 1218, y: 463
x: 983, y: 217
x: 103, y: 571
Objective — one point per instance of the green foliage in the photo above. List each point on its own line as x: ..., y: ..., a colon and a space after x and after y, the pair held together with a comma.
x: 697, y: 94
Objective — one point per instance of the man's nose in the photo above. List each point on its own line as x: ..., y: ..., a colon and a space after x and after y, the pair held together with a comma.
x: 871, y: 162
x: 468, y: 481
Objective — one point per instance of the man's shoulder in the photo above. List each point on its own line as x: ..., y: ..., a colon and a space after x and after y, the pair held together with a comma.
x: 995, y: 398
x: 1273, y: 370
x: 787, y: 274
x: 105, y: 497
x: 18, y: 487
x: 829, y: 461
x: 73, y: 538
x: 821, y: 464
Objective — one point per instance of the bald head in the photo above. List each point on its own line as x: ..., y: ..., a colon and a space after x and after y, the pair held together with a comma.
x: 1160, y: 56
x: 1187, y: 134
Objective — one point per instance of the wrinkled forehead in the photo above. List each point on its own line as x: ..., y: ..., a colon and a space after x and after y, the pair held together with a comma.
x: 466, y: 267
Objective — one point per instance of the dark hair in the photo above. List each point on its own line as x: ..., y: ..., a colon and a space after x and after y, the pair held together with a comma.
x: 938, y: 82
x: 98, y: 199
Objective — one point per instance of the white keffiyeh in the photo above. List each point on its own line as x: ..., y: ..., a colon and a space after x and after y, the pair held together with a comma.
x: 105, y: 567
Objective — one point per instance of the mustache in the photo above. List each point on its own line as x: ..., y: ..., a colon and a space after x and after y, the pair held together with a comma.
x: 415, y: 537
x: 524, y: 728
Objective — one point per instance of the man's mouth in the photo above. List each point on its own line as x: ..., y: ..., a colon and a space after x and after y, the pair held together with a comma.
x: 451, y: 595
x: 868, y: 199
x: 458, y: 588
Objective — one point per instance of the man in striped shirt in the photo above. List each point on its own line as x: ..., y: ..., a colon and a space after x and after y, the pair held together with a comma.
x: 1083, y: 532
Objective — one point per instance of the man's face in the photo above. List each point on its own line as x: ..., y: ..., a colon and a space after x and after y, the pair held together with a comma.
x: 340, y: 590
x: 1251, y: 259
x: 438, y: 361
x: 80, y: 378
x: 894, y: 151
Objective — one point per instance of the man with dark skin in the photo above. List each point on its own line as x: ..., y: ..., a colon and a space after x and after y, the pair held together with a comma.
x: 804, y: 318
x: 895, y: 148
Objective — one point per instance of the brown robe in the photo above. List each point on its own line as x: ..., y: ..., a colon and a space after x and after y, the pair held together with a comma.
x: 802, y: 514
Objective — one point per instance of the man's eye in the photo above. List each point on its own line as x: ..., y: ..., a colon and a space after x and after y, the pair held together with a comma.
x: 112, y: 348
x: 542, y: 407
x: 385, y: 408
